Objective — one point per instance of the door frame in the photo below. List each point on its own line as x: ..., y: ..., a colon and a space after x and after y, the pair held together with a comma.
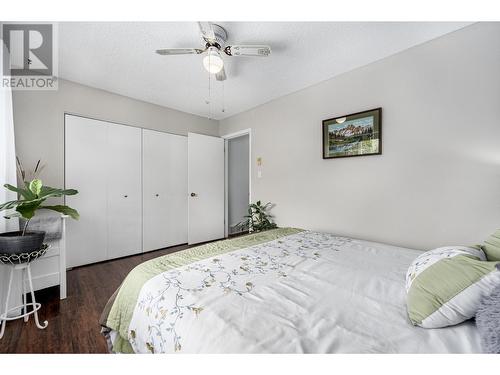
x: 226, y: 138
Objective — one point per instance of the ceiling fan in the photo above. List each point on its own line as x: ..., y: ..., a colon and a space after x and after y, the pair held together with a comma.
x: 215, y: 38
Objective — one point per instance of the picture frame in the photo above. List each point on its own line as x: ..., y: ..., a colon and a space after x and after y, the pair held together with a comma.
x: 356, y: 134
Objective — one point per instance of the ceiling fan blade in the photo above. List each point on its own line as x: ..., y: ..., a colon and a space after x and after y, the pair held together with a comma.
x: 240, y: 50
x: 179, y: 51
x: 221, y: 76
x: 207, y: 32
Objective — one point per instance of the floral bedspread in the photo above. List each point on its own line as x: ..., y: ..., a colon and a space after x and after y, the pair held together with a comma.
x: 306, y: 292
x: 172, y: 302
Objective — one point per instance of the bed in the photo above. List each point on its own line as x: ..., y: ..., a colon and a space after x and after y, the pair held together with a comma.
x: 281, y: 291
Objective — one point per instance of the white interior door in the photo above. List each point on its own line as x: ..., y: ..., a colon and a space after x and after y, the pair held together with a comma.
x: 124, y: 211
x: 165, y: 200
x: 205, y: 188
x: 85, y: 170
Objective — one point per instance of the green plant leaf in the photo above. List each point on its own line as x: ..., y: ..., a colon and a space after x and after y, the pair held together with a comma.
x: 47, y: 192
x: 65, y: 210
x: 8, y: 205
x: 23, y: 192
x: 27, y: 209
x: 35, y: 186
x: 34, y: 195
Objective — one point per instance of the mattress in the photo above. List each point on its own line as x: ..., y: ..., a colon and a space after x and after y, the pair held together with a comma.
x: 281, y: 291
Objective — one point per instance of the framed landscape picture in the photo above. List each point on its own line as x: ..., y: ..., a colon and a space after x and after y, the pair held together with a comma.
x: 356, y: 134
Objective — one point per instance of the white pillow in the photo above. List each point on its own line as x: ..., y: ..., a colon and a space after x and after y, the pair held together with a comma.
x: 444, y: 286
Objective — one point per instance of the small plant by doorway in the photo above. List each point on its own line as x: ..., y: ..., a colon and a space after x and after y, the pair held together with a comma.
x: 258, y: 218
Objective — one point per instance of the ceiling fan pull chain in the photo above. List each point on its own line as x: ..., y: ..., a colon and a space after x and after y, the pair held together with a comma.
x: 209, y: 94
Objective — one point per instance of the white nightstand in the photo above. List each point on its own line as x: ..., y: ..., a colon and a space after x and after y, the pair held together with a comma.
x: 50, y: 270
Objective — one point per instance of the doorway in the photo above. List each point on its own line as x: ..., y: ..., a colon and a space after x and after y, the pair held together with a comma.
x: 238, y: 172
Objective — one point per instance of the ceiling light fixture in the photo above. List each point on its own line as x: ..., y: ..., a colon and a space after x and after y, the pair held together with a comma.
x: 212, y: 62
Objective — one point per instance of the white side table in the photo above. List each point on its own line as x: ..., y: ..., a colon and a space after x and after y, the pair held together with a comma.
x: 16, y: 264
x: 50, y: 270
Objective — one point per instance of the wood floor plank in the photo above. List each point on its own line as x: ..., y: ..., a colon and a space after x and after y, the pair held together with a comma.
x: 74, y: 322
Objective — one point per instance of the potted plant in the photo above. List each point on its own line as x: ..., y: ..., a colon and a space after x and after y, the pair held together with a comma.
x: 258, y: 218
x: 30, y: 199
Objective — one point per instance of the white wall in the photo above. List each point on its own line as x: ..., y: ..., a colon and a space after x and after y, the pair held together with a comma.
x: 39, y: 121
x: 238, y: 187
x: 438, y: 180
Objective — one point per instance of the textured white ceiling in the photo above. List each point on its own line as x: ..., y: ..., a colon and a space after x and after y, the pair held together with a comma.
x: 119, y: 57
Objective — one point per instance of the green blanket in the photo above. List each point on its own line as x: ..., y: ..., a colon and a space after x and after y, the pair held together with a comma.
x: 120, y: 308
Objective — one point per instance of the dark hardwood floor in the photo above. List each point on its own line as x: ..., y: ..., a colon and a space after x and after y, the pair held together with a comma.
x: 74, y: 322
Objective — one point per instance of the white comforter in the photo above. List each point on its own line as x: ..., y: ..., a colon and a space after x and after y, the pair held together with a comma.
x: 304, y: 293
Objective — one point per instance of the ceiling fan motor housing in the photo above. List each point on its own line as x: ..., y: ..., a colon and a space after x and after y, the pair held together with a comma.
x: 220, y: 35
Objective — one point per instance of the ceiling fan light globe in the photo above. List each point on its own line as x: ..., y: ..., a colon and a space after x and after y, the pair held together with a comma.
x: 212, y: 62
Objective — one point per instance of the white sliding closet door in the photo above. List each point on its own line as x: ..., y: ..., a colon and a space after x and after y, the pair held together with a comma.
x: 85, y: 152
x: 164, y: 190
x: 103, y: 162
x: 124, y: 191
x: 206, y: 188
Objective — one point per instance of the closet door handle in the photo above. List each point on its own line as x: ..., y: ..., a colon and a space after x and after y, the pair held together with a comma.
x: 194, y: 194
x: 157, y: 195
x: 125, y: 196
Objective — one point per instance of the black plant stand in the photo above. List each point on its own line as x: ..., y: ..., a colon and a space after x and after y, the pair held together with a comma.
x: 21, y: 262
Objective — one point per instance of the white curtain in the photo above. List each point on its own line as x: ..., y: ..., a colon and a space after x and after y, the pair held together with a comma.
x: 7, y: 168
x: 7, y: 150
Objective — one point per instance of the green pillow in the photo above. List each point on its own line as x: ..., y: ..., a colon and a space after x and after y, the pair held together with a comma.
x: 446, y: 285
x: 492, y: 246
